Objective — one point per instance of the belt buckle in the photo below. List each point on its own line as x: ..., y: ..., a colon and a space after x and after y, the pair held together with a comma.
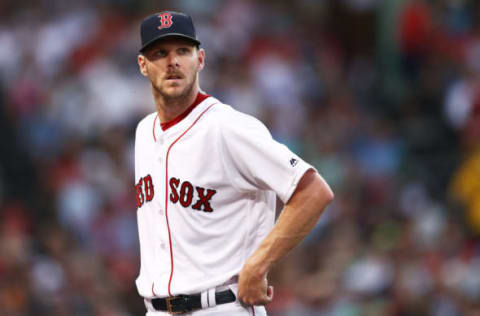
x: 170, y: 310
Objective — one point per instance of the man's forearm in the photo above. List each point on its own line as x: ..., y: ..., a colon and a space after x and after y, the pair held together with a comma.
x: 297, y: 219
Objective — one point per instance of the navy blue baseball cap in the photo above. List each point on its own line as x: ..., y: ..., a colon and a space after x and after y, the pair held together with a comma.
x: 166, y: 24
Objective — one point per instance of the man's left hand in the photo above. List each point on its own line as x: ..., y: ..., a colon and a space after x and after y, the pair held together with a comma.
x: 253, y: 288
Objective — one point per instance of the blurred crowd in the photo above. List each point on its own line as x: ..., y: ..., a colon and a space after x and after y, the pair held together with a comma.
x: 382, y: 97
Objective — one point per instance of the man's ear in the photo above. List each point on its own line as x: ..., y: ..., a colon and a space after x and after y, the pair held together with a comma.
x: 142, y: 65
x: 201, y: 59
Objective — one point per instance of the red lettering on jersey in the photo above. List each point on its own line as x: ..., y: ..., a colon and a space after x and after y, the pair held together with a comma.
x: 139, y: 193
x: 204, y: 199
x: 174, y: 182
x: 165, y: 20
x: 148, y: 183
x: 144, y: 190
x: 186, y: 194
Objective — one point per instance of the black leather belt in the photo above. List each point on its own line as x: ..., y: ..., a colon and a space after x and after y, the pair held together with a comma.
x: 186, y: 303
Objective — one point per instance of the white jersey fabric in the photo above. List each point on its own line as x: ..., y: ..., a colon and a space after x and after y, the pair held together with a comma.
x: 206, y: 192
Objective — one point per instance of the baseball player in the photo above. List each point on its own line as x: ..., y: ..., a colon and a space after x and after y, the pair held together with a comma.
x: 207, y: 178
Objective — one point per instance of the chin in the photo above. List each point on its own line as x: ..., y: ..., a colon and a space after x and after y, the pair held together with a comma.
x: 174, y: 93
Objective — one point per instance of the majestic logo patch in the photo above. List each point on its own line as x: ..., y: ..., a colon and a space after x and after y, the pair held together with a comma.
x: 144, y: 190
x: 188, y: 192
x: 293, y: 162
x: 165, y: 20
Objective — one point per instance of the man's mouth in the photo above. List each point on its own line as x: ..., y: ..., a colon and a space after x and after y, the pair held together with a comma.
x: 174, y: 77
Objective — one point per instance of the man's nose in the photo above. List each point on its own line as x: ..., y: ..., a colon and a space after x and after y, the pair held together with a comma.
x: 173, y: 59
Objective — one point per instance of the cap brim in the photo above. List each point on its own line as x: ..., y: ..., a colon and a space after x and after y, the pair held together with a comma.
x: 193, y: 40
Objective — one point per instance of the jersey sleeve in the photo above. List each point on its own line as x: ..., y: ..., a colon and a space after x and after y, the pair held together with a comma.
x: 137, y: 152
x: 142, y: 133
x: 255, y: 161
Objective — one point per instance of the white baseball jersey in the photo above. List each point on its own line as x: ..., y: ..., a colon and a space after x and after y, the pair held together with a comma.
x: 206, y: 186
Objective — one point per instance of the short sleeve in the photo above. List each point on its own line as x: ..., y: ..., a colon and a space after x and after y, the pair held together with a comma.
x: 255, y: 161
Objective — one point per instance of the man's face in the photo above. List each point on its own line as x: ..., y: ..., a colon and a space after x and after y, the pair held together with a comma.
x: 172, y: 65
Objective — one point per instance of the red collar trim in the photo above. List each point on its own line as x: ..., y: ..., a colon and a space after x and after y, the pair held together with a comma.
x: 198, y: 100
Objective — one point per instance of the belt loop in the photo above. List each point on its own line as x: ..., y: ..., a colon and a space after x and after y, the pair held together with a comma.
x: 204, y: 299
x: 211, y: 298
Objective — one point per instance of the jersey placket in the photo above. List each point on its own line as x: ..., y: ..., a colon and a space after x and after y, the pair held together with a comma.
x: 164, y: 143
x: 162, y: 233
x: 172, y: 136
x: 169, y: 137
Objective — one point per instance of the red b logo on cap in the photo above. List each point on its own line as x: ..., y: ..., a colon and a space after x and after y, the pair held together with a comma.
x: 165, y: 20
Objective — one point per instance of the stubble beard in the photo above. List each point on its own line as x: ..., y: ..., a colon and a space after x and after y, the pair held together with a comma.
x: 180, y: 98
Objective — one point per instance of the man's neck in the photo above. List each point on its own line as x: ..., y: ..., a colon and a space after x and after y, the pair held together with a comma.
x: 170, y: 108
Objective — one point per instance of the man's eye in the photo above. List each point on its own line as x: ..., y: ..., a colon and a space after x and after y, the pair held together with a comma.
x: 183, y: 50
x: 160, y: 53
